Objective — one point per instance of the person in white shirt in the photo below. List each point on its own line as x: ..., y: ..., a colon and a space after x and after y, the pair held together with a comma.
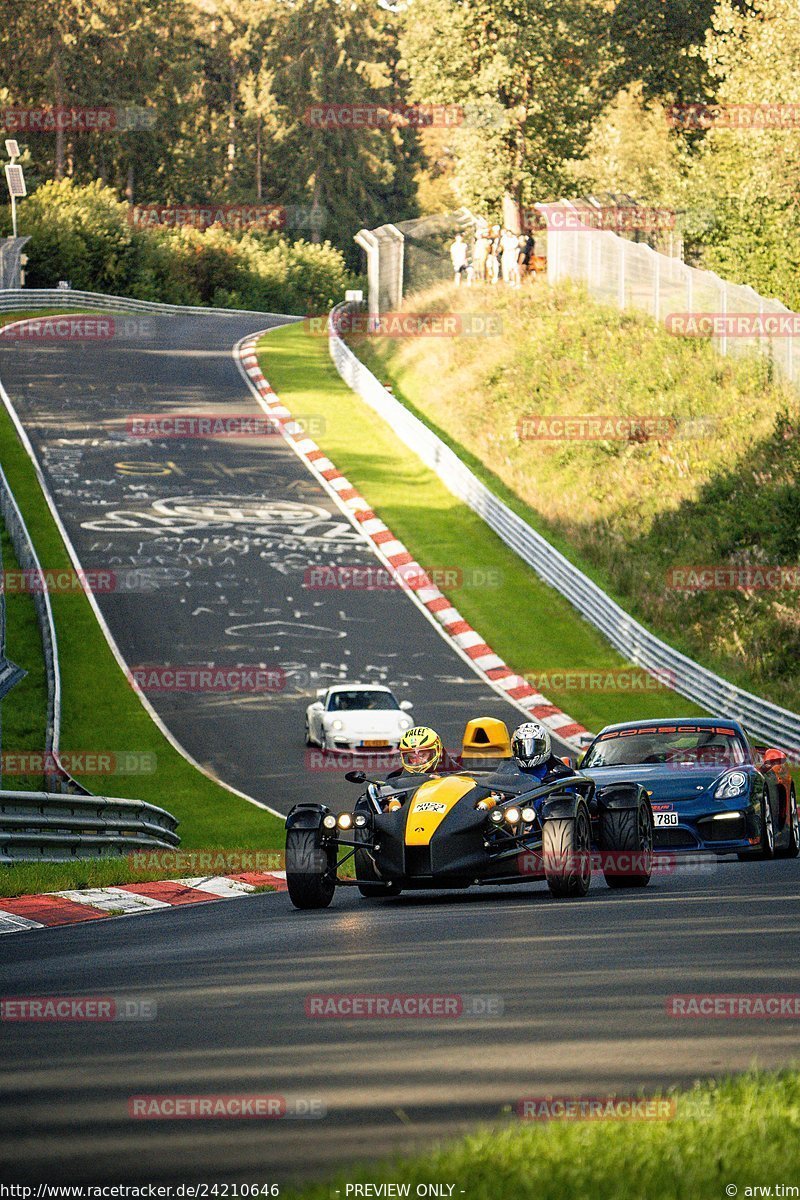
x: 458, y: 257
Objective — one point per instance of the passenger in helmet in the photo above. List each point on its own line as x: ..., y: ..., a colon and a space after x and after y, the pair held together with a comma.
x: 532, y: 751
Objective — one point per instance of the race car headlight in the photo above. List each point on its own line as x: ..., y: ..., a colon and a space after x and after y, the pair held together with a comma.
x: 404, y: 723
x: 329, y: 821
x: 731, y: 785
x: 337, y: 724
x: 528, y: 815
x: 496, y: 816
x: 360, y: 820
x: 512, y: 815
x: 344, y: 821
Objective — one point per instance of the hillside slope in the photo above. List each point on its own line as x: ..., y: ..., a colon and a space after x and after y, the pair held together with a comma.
x: 711, y: 475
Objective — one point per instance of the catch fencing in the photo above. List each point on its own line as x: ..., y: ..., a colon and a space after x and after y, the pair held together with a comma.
x: 687, y: 300
x: 636, y: 644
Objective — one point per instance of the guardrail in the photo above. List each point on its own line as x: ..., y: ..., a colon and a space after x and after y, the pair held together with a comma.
x: 776, y: 725
x: 42, y: 827
x: 24, y: 299
x: 29, y: 561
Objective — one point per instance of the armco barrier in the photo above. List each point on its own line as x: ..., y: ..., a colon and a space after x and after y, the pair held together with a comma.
x: 28, y: 561
x: 766, y: 721
x: 42, y: 827
x: 13, y: 299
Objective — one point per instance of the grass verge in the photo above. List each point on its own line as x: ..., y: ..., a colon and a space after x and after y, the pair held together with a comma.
x: 102, y: 713
x: 712, y: 478
x: 534, y: 629
x: 738, y: 1133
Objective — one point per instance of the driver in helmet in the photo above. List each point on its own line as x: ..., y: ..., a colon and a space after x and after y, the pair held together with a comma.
x: 422, y: 753
x: 532, y: 752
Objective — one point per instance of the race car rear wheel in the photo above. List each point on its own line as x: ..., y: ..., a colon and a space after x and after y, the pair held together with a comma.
x: 310, y: 869
x: 793, y: 849
x: 369, y: 882
x: 566, y: 853
x: 626, y: 840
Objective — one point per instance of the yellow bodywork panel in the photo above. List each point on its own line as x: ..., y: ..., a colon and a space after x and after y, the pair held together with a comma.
x: 431, y: 804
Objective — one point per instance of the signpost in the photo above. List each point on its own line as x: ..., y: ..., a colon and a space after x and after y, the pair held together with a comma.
x: 15, y: 178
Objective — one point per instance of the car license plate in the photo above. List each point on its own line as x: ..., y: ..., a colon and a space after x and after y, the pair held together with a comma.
x: 374, y: 743
x: 665, y: 818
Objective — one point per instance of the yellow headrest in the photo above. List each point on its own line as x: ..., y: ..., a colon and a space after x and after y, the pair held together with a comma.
x: 486, y: 737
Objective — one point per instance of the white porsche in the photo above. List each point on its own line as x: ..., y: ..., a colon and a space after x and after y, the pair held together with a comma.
x: 357, y: 716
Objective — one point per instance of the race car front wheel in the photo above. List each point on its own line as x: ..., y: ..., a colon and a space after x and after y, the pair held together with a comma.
x: 626, y: 841
x: 310, y: 869
x: 566, y: 853
x: 793, y: 849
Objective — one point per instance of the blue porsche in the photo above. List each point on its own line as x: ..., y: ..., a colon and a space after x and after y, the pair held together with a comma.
x: 710, y: 787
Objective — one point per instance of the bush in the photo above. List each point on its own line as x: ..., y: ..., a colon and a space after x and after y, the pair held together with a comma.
x: 82, y: 233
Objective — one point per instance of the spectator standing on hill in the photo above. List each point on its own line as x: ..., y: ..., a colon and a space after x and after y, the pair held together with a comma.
x: 493, y: 257
x: 480, y: 254
x: 458, y: 257
x: 509, y: 247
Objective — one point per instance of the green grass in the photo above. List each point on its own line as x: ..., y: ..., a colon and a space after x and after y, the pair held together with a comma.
x: 102, y: 713
x: 533, y: 628
x: 24, y: 710
x: 742, y: 1131
x: 626, y: 511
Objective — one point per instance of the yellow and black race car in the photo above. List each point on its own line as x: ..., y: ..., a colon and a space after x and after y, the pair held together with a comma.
x: 485, y: 821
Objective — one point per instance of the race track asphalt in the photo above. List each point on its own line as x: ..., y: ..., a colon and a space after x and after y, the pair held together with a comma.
x: 226, y: 530
x: 583, y: 987
x: 223, y: 533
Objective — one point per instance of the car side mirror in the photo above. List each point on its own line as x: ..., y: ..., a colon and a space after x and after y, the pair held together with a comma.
x: 406, y: 705
x: 774, y: 758
x: 355, y: 777
x: 568, y: 762
x: 318, y: 704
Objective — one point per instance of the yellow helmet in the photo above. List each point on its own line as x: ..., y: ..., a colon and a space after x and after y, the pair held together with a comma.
x: 421, y: 750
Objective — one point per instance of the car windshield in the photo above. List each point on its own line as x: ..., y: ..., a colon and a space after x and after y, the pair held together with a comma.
x: 681, y: 745
x: 359, y: 701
